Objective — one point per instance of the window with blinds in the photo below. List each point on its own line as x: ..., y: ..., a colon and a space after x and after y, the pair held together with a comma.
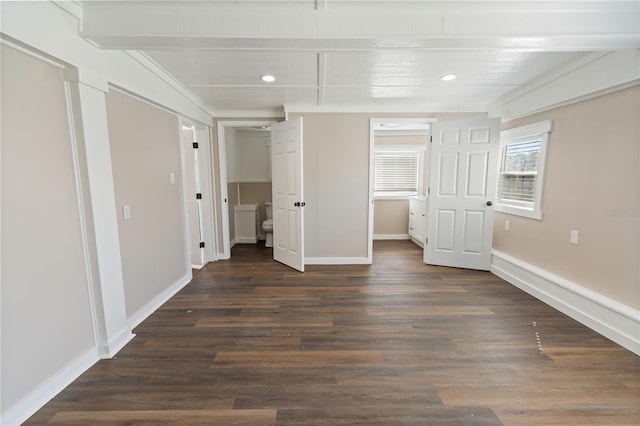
x: 396, y: 173
x: 521, y: 161
x: 518, y: 172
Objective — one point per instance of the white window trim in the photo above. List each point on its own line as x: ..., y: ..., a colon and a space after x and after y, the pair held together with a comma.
x: 418, y: 149
x: 400, y: 148
x: 532, y: 132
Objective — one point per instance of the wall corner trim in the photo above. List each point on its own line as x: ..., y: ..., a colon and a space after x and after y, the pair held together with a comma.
x: 86, y: 77
x: 28, y: 406
x: 116, y: 343
x: 151, y: 306
x: 337, y: 261
x: 610, y: 318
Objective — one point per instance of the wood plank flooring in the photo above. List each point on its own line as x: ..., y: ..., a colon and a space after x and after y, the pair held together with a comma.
x: 251, y: 342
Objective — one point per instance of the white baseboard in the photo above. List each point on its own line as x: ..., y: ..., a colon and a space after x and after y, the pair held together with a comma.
x: 232, y: 243
x: 116, y: 343
x: 245, y: 240
x: 606, y: 316
x: 336, y: 261
x: 418, y: 242
x: 391, y: 236
x: 28, y: 406
x: 142, y: 313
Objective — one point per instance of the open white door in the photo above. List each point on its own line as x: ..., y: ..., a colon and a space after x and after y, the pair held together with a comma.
x: 462, y: 188
x: 193, y: 196
x: 288, y: 201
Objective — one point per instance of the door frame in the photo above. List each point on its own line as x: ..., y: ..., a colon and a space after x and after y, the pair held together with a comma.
x: 373, y: 121
x: 224, y: 252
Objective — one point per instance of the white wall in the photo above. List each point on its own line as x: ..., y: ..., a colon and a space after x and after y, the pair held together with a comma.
x: 231, y: 151
x: 248, y: 155
x: 253, y: 156
x: 69, y: 310
x: 46, y: 313
x: 591, y: 185
x: 145, y: 150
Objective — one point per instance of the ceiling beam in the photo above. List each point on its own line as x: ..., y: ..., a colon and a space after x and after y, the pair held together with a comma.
x: 542, y: 26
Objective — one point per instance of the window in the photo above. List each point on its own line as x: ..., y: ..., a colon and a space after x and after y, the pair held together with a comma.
x: 398, y: 171
x: 521, y: 169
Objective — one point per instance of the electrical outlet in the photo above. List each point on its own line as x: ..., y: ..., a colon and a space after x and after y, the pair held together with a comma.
x: 507, y: 224
x: 575, y: 235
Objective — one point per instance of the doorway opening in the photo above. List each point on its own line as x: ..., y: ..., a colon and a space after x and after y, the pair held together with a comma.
x: 244, y: 155
x: 398, y: 179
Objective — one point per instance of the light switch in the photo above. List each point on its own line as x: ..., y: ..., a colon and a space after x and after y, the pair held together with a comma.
x: 126, y: 212
x: 506, y: 225
x: 574, y: 237
x: 172, y: 178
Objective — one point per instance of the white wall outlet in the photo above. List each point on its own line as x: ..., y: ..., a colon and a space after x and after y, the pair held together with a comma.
x: 507, y: 224
x: 575, y: 235
x: 172, y: 178
x: 126, y: 212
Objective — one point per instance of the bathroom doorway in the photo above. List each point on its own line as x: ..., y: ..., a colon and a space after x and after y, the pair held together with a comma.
x: 398, y: 180
x: 244, y: 149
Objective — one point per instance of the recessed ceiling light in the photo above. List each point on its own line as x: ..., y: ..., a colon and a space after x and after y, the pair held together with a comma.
x: 448, y: 77
x: 268, y: 78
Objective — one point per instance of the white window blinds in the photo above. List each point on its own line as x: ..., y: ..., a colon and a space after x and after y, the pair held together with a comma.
x: 519, y: 171
x: 396, y: 173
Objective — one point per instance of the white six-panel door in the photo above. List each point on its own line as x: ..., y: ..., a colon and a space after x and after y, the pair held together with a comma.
x: 288, y: 200
x: 462, y: 190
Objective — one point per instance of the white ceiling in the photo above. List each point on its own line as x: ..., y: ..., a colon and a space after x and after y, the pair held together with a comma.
x: 336, y: 54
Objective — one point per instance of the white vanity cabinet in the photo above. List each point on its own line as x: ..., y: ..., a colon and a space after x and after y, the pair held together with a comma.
x: 418, y: 220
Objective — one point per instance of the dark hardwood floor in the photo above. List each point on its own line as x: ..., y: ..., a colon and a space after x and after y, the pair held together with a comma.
x: 251, y: 342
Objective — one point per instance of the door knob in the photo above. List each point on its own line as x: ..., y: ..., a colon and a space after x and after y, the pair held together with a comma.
x: 297, y: 204
x: 489, y: 203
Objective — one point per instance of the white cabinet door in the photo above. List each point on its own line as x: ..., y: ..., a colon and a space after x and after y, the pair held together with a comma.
x: 288, y: 201
x: 418, y: 220
x: 421, y: 222
x: 463, y: 182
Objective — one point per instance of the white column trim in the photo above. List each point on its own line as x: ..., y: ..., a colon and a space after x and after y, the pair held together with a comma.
x: 99, y: 210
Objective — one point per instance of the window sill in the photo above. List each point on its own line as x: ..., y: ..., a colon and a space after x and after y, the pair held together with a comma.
x: 519, y: 211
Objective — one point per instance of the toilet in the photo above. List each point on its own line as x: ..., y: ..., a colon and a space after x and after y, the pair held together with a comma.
x: 267, y: 225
